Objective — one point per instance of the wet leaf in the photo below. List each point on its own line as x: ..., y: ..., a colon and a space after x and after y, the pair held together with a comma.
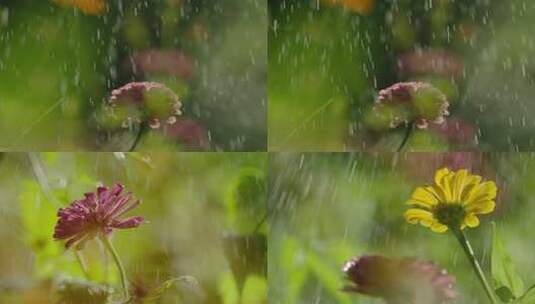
x: 528, y: 297
x: 507, y: 283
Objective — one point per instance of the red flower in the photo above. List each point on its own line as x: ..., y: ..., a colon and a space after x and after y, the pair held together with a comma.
x: 399, y: 280
x: 97, y: 214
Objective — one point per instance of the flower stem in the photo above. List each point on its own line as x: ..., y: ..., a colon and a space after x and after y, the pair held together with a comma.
x: 408, y: 131
x: 140, y: 133
x: 82, y: 263
x: 109, y: 246
x: 465, y: 244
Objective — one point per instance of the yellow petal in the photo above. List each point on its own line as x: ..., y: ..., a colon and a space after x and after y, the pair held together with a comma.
x: 472, y: 181
x: 482, y: 207
x: 483, y: 192
x: 437, y: 192
x: 459, y: 180
x: 415, y: 216
x: 423, y: 198
x: 439, y: 228
x: 471, y: 220
x: 439, y: 175
x: 444, y: 180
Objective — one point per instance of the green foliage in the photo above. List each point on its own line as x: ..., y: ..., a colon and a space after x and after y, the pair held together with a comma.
x: 254, y: 290
x: 328, y: 275
x: 507, y: 283
x: 81, y: 292
x: 528, y: 297
x: 293, y: 261
x: 38, y: 218
x: 302, y: 265
x: 246, y: 201
x: 228, y: 289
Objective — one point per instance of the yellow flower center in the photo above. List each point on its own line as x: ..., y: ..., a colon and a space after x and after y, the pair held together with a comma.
x: 451, y: 215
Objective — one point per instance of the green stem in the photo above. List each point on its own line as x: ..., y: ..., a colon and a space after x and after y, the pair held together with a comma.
x: 408, y: 131
x: 465, y: 244
x: 109, y: 246
x: 82, y: 263
x: 140, y: 133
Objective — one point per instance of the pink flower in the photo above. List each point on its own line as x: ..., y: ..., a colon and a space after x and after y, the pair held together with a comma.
x: 145, y: 102
x: 96, y: 215
x: 411, y: 102
x: 399, y: 280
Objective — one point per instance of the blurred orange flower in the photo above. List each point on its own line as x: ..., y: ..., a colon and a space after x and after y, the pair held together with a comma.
x: 89, y: 7
x: 359, y: 6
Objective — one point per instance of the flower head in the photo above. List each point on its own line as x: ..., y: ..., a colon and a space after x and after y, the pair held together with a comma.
x: 97, y: 214
x: 411, y: 102
x: 145, y: 102
x: 453, y: 202
x: 405, y: 280
x: 90, y: 7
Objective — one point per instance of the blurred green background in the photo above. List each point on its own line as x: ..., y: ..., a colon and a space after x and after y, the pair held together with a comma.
x: 329, y: 58
x: 327, y: 208
x: 58, y: 65
x: 205, y: 218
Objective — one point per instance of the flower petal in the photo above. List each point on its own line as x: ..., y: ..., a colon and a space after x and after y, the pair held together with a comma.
x: 482, y: 207
x: 129, y: 222
x: 471, y: 220
x: 483, y: 192
x: 472, y: 181
x: 439, y: 228
x: 459, y: 180
x: 439, y: 175
x: 415, y: 216
x: 423, y: 198
x: 444, y: 182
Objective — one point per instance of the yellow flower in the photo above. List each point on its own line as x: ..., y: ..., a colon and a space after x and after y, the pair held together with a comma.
x: 90, y: 7
x: 453, y: 202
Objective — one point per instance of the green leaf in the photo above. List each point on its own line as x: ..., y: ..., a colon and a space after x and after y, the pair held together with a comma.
x: 255, y: 290
x: 228, y: 290
x: 505, y: 294
x: 330, y: 277
x: 246, y: 201
x: 528, y: 297
x: 38, y: 218
x: 507, y: 283
x: 296, y: 272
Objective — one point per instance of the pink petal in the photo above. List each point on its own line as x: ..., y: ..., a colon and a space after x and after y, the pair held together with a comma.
x: 129, y: 222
